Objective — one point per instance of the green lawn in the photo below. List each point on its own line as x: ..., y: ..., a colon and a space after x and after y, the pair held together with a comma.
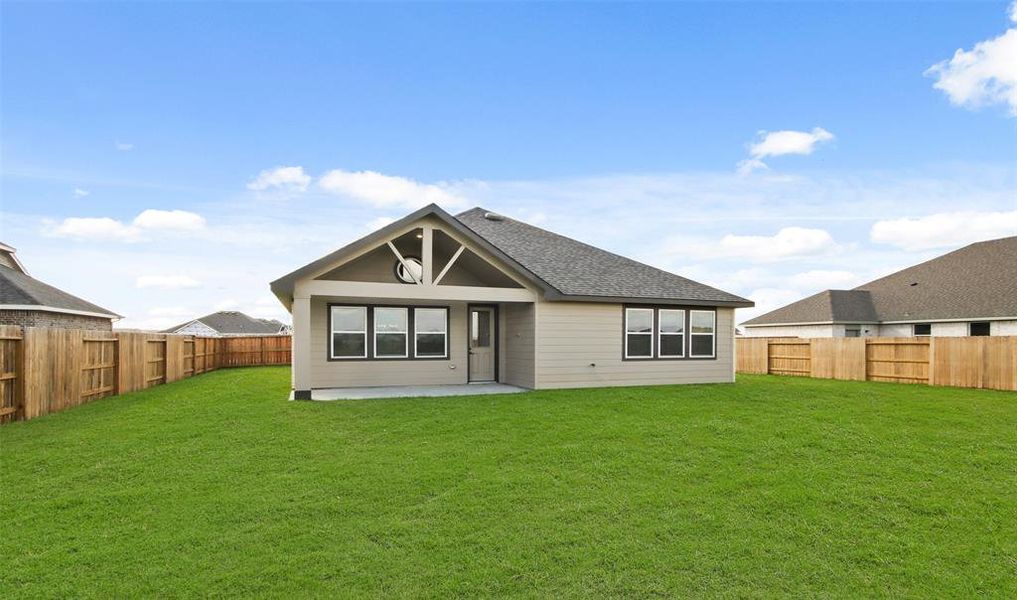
x: 769, y: 487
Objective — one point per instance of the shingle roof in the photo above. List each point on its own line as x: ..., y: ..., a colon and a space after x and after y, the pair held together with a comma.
x: 565, y: 269
x: 19, y: 289
x: 231, y: 322
x: 574, y: 268
x: 976, y: 281
x: 828, y: 306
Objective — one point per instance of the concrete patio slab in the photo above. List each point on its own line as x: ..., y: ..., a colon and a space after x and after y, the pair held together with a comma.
x: 412, y: 391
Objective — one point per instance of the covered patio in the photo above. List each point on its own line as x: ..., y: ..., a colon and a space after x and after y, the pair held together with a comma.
x: 412, y: 391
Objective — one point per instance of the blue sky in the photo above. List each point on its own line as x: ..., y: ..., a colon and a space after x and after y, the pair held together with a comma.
x: 651, y: 130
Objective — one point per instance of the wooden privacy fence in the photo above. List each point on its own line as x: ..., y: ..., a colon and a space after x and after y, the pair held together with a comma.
x: 978, y: 362
x: 45, y: 370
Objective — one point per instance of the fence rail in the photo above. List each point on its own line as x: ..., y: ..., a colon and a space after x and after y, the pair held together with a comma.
x: 45, y: 370
x: 978, y: 362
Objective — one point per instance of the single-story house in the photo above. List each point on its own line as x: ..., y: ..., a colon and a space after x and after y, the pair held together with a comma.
x: 229, y: 323
x: 436, y: 299
x: 970, y: 291
x: 28, y: 302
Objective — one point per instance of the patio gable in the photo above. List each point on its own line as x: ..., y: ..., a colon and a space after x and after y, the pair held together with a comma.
x: 428, y: 256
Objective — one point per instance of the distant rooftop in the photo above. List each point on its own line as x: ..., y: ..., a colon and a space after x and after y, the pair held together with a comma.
x: 232, y: 322
x: 976, y: 281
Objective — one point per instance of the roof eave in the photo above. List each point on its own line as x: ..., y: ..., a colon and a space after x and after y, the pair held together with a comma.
x: 57, y: 309
x: 559, y: 297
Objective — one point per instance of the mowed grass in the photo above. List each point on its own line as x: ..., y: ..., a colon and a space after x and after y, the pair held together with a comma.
x: 770, y: 487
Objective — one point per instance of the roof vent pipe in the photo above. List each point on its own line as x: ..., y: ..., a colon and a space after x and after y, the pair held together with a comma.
x: 490, y: 216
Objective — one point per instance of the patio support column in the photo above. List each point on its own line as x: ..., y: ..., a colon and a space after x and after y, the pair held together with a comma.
x: 427, y: 258
x: 301, y: 348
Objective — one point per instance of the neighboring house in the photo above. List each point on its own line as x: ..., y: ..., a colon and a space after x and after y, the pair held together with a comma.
x: 441, y: 299
x: 971, y: 291
x: 230, y: 323
x: 28, y: 302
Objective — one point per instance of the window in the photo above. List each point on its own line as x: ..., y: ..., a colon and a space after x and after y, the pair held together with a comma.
x: 390, y: 332
x: 480, y: 332
x: 349, y: 331
x: 980, y: 328
x: 671, y: 333
x: 702, y: 327
x: 638, y: 333
x: 852, y: 331
x: 430, y: 326
x: 921, y: 329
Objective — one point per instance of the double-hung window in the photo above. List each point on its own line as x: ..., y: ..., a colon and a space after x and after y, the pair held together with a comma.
x: 638, y: 333
x: 702, y: 333
x: 430, y: 332
x: 391, y: 338
x: 670, y: 333
x: 349, y: 331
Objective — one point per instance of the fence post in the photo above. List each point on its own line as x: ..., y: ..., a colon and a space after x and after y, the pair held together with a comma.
x: 19, y: 383
x: 116, y: 364
x: 932, y: 361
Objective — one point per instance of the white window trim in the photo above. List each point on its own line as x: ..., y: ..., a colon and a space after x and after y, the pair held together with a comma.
x: 333, y: 331
x: 713, y: 334
x: 916, y: 334
x: 648, y: 333
x: 417, y: 332
x: 661, y: 333
x: 405, y: 332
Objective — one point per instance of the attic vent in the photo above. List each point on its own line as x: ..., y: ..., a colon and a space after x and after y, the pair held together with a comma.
x: 490, y: 216
x: 914, y: 284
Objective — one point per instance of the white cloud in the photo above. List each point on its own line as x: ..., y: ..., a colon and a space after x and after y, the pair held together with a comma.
x: 388, y: 191
x: 789, y: 242
x: 80, y: 193
x: 177, y: 220
x: 983, y: 76
x: 95, y: 228
x: 166, y: 282
x: 123, y: 146
x: 105, y: 228
x: 780, y: 143
x: 943, y: 230
x: 284, y: 178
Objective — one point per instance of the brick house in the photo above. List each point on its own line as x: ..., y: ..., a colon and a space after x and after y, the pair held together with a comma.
x: 28, y: 302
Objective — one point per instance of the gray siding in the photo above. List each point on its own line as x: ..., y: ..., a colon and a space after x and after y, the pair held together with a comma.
x: 517, y: 345
x: 572, y: 335
x: 358, y: 373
